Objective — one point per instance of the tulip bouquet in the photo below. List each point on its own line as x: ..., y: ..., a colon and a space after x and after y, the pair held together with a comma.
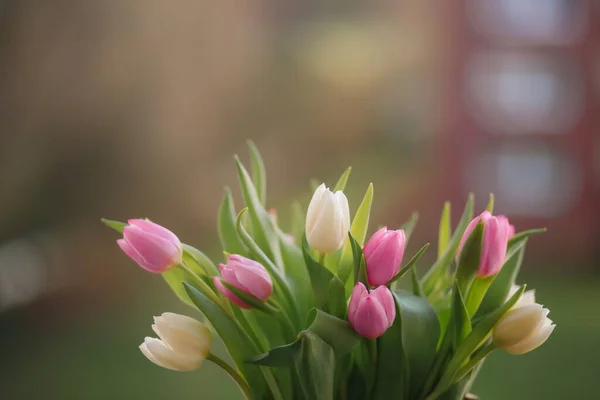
x: 316, y: 311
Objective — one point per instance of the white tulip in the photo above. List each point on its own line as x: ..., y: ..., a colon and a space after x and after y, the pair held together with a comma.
x: 327, y: 220
x: 182, y: 345
x: 527, y: 298
x: 523, y: 329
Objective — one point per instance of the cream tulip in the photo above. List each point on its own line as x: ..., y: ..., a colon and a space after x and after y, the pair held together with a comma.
x: 327, y: 220
x: 183, y: 342
x: 523, y: 329
x: 527, y: 298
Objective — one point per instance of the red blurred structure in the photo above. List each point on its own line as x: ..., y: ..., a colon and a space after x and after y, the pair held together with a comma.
x: 521, y: 115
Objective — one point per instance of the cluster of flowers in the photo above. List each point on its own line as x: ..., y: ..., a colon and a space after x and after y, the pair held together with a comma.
x: 183, y: 343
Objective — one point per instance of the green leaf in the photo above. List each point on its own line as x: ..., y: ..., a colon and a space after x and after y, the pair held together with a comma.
x: 240, y: 347
x: 116, y: 225
x: 500, y: 287
x: 392, y: 365
x: 198, y: 261
x: 230, y: 240
x: 411, y: 264
x: 445, y: 230
x: 297, y: 221
x: 315, y: 365
x: 470, y: 257
x: 281, y: 356
x: 460, y: 316
x: 175, y: 278
x: 420, y: 335
x: 415, y: 283
x: 334, y: 331
x: 262, y: 226
x: 490, y: 205
x: 259, y: 174
x: 436, y: 275
x: 480, y: 332
x: 249, y: 299
x: 360, y: 225
x: 409, y: 226
x: 341, y: 183
x: 337, y: 298
x: 360, y: 265
x: 518, y: 241
x: 319, y: 275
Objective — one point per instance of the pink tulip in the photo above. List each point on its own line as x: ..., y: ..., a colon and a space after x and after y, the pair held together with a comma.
x: 496, y: 232
x: 371, y: 314
x: 383, y: 254
x: 511, y: 231
x: 246, y: 275
x: 153, y: 247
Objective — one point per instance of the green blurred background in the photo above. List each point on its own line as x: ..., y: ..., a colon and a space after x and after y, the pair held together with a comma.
x: 124, y: 108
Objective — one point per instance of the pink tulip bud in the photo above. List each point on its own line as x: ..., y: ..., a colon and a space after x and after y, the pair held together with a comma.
x: 153, y: 247
x: 511, y: 231
x: 246, y: 275
x: 496, y: 232
x: 383, y: 254
x: 371, y: 314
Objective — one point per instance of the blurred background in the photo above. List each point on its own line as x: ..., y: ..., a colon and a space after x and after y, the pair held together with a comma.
x: 124, y: 108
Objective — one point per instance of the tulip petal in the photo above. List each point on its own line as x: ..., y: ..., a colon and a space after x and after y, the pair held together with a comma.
x: 314, y: 207
x: 155, y: 229
x: 228, y: 293
x: 370, y: 319
x: 183, y: 334
x: 324, y: 235
x: 534, y: 341
x: 135, y: 256
x: 256, y: 281
x: 342, y: 206
x: 156, y: 251
x: 518, y: 324
x: 374, y: 241
x: 385, y: 298
x: 169, y: 358
x: 358, y: 293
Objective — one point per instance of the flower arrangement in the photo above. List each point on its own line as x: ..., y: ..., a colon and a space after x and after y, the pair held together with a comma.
x: 316, y: 312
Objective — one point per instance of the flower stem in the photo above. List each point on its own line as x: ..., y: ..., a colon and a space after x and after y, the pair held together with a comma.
x: 232, y: 373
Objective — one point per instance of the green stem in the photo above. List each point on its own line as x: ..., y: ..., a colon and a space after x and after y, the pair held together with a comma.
x: 233, y: 374
x: 439, y: 361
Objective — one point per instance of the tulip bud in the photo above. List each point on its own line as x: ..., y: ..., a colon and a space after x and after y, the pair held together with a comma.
x: 495, y: 242
x: 153, y: 247
x: 383, y: 255
x: 511, y: 230
x: 246, y: 275
x: 523, y: 329
x: 182, y: 345
x: 527, y: 298
x: 371, y: 314
x: 327, y: 220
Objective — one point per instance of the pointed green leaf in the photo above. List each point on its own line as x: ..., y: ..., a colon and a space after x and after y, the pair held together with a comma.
x: 410, y: 225
x: 360, y: 265
x: 500, y: 287
x: 334, y: 331
x: 516, y: 242
x: 341, y: 183
x: 420, y: 335
x: 490, y: 205
x: 230, y: 241
x: 315, y: 365
x: 240, y: 347
x: 319, y: 275
x: 249, y: 299
x: 116, y: 225
x: 280, y: 356
x: 175, y: 278
x: 198, y: 261
x: 411, y: 264
x: 358, y: 229
x: 460, y: 316
x: 415, y: 283
x: 262, y: 226
x: 445, y: 229
x: 259, y: 173
x: 431, y: 281
x: 392, y: 366
x: 297, y: 221
x: 336, y: 305
x: 470, y: 257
